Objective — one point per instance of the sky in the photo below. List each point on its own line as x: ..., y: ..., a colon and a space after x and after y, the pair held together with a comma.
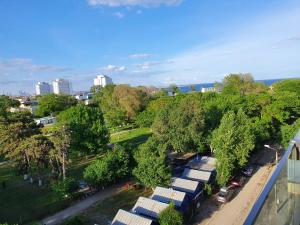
x: 146, y: 42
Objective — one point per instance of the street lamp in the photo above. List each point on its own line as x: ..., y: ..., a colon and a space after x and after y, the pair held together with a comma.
x: 276, y: 151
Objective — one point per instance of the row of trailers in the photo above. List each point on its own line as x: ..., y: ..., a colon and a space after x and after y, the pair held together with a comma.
x: 187, y: 193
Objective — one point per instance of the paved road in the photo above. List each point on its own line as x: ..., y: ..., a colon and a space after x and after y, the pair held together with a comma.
x: 236, y: 211
x: 78, y: 207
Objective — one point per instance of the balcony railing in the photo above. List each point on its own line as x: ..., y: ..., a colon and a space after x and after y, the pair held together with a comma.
x: 279, y: 202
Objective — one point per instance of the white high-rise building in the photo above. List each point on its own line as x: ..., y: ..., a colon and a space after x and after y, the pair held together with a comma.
x: 42, y: 88
x: 61, y: 86
x: 102, y: 80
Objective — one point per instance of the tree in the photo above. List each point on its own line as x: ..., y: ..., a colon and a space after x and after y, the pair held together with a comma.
x: 182, y: 125
x: 232, y: 143
x: 14, y: 134
x: 52, y: 104
x: 170, y: 216
x: 88, y: 131
x: 121, y: 103
x: 114, y: 114
x: 241, y: 84
x: 61, y: 139
x: 112, y: 166
x: 65, y: 187
x: 289, y: 131
x: 290, y: 85
x: 5, y: 103
x: 152, y: 168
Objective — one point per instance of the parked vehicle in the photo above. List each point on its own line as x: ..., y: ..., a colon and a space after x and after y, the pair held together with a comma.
x: 238, y: 181
x: 226, y: 194
x: 248, y: 171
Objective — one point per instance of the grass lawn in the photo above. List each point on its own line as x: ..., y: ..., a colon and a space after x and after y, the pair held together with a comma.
x: 135, y: 136
x: 104, y: 212
x: 22, y: 202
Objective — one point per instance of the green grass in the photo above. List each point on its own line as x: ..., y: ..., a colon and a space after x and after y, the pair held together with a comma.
x: 104, y: 212
x: 22, y: 202
x: 134, y: 136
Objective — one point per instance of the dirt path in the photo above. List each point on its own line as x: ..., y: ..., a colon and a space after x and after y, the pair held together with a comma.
x: 78, y: 207
x: 236, y: 211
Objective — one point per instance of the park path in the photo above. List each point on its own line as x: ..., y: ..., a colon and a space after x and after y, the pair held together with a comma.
x: 78, y: 207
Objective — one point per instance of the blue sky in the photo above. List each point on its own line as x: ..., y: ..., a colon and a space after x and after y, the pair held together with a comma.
x: 146, y: 42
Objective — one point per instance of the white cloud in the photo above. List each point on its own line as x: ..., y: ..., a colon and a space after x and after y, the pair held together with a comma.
x: 268, y: 47
x: 113, y: 69
x: 25, y: 65
x: 119, y: 15
x: 140, y: 55
x: 144, y: 3
x: 139, y: 11
x: 147, y: 65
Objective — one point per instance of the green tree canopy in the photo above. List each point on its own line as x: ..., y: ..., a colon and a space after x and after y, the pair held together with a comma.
x: 182, y: 125
x: 5, y: 103
x: 87, y: 127
x: 242, y: 84
x: 232, y: 143
x: 170, y: 216
x: 152, y: 168
x: 290, y: 85
x: 109, y: 168
x: 121, y: 103
x: 53, y: 104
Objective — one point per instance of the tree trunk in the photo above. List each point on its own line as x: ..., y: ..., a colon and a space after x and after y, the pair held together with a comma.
x: 63, y: 166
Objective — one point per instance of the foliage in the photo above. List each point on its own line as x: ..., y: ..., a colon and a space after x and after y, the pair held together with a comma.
x: 152, y: 168
x: 290, y: 85
x: 208, y: 189
x: 122, y: 103
x: 170, y: 216
x: 65, y: 188
x: 109, y: 168
x: 18, y: 140
x: 5, y: 103
x: 145, y: 118
x: 289, y: 131
x: 88, y: 131
x: 52, y: 104
x: 60, y: 136
x: 232, y: 143
x: 241, y: 84
x: 182, y: 126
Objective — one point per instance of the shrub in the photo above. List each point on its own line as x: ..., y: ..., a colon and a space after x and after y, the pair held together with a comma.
x: 170, y: 216
x: 65, y: 188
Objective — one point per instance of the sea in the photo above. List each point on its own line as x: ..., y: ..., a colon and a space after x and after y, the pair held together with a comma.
x: 187, y: 88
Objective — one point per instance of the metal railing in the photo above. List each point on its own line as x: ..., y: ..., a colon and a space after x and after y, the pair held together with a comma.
x: 279, y: 202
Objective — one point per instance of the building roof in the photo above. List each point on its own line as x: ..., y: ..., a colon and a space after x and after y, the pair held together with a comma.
x: 198, y: 175
x: 204, y: 163
x: 149, y: 207
x: 126, y: 218
x: 185, y: 185
x: 167, y: 195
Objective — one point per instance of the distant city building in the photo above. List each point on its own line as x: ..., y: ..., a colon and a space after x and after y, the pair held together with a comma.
x: 61, y: 86
x: 42, y: 88
x: 86, y: 97
x: 102, y: 80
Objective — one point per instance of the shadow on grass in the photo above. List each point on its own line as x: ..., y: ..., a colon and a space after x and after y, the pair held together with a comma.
x: 135, y: 141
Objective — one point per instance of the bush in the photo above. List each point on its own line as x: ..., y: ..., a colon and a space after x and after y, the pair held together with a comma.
x: 145, y: 118
x: 170, y: 216
x: 65, y: 188
x: 208, y: 189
